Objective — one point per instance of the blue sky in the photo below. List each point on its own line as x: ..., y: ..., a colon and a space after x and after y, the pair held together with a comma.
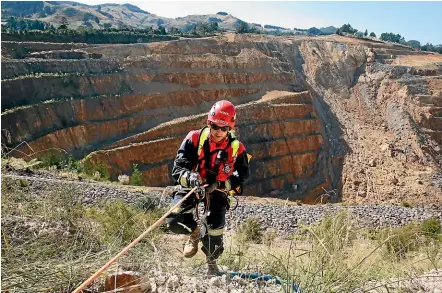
x: 420, y: 21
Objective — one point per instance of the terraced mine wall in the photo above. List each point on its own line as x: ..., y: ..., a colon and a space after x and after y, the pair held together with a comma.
x: 135, y: 103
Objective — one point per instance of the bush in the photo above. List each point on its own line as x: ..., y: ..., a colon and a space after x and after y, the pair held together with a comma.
x: 406, y: 204
x: 250, y: 230
x: 73, y: 164
x: 400, y: 241
x: 116, y: 220
x: 121, y: 221
x: 332, y: 234
x: 137, y: 177
x: 90, y: 168
x: 52, y: 158
x: 431, y: 227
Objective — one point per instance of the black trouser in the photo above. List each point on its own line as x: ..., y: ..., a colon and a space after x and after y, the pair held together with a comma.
x: 183, y: 222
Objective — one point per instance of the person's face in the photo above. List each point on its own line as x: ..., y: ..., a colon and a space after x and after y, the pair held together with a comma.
x: 218, y: 132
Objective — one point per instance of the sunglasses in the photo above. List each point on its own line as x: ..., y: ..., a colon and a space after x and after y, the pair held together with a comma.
x: 216, y: 127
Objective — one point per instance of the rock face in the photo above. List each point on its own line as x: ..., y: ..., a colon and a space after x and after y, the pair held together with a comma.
x: 311, y: 111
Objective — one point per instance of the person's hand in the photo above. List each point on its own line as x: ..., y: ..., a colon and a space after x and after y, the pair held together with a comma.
x: 195, y: 179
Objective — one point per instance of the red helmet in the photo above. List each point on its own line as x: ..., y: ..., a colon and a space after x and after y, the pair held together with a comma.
x: 222, y: 113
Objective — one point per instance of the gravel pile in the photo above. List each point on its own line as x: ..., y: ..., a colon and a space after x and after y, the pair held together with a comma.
x: 284, y: 219
x: 287, y: 219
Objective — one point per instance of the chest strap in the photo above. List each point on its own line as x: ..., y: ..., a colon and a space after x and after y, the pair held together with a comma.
x: 203, y: 143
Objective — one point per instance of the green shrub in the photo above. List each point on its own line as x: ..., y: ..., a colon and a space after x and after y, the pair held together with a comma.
x: 333, y: 233
x: 250, y: 230
x: 90, y: 168
x: 137, y: 177
x: 406, y: 204
x: 52, y: 158
x: 73, y: 164
x: 121, y: 221
x: 400, y: 241
x: 431, y: 227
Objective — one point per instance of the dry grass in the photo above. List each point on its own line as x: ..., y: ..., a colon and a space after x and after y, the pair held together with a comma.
x: 336, y: 257
x: 51, y: 243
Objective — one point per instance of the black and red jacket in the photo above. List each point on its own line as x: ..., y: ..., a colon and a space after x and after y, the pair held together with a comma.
x: 187, y: 159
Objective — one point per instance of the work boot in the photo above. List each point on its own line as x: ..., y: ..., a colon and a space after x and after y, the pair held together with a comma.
x: 191, y: 246
x: 212, y: 268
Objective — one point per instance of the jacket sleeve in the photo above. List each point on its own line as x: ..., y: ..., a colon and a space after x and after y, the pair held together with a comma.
x: 185, y: 159
x: 241, y: 171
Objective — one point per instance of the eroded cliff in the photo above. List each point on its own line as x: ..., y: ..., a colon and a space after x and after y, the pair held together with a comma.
x: 325, y: 118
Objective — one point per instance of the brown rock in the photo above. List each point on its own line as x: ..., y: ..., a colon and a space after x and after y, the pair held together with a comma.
x: 394, y: 181
x: 129, y: 280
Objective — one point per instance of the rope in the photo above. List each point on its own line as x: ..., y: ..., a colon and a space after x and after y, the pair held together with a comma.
x: 265, y: 278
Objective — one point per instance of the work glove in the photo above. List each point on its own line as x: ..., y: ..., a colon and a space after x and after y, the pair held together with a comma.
x: 195, y: 179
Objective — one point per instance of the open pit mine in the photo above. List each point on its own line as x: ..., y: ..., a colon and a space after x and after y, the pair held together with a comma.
x: 326, y: 119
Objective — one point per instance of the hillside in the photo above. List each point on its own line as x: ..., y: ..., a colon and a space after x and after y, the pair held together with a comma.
x: 326, y: 118
x: 75, y: 14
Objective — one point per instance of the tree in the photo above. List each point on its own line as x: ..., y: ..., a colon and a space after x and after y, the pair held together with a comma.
x: 242, y: 27
x: 414, y: 44
x: 254, y: 30
x: 160, y: 31
x: 366, y: 32
x: 373, y: 35
x: 347, y: 28
x: 64, y: 21
x: 174, y: 31
x: 391, y: 37
x: 213, y: 26
x: 428, y: 47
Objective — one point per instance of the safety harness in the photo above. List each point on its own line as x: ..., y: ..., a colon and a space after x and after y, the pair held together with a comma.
x: 203, y: 144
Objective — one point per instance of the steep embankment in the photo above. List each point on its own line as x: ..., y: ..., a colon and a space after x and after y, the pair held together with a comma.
x: 358, y: 119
